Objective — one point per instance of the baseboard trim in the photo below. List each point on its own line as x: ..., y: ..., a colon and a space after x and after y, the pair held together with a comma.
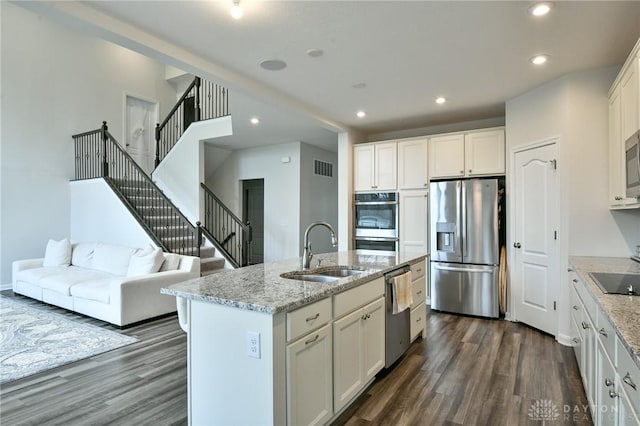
x: 4, y: 287
x: 564, y: 340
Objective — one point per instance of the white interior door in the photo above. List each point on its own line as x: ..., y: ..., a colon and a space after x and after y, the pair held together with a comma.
x: 140, y: 121
x: 535, y: 274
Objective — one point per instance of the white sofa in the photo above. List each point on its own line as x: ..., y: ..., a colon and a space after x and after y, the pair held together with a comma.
x: 113, y: 283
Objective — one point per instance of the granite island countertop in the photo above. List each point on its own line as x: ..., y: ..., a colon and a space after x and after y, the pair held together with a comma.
x: 260, y: 287
x: 623, y: 311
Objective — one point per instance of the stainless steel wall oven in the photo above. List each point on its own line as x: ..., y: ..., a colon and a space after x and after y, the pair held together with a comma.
x: 376, y: 221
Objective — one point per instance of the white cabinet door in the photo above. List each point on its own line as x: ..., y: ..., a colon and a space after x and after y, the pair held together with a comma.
x: 386, y: 163
x: 373, y: 338
x: 588, y: 363
x: 412, y: 164
x: 629, y: 94
x: 446, y: 156
x: 347, y: 358
x: 617, y: 177
x: 484, y: 153
x: 363, y: 167
x: 414, y: 220
x: 606, y: 398
x: 310, y: 379
x: 626, y: 415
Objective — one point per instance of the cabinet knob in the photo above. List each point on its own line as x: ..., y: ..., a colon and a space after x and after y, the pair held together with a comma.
x: 517, y: 245
x: 470, y: 171
x: 575, y: 280
x: 585, y: 325
x: 603, y: 332
x: 426, y: 184
x: 575, y: 307
x: 613, y: 394
x: 576, y: 340
x: 461, y: 172
x: 608, y: 382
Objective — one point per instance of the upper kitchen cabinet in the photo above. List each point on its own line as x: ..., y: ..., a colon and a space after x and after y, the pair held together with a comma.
x: 412, y: 164
x: 479, y: 153
x: 447, y: 156
x: 484, y: 153
x: 375, y: 167
x: 624, y: 121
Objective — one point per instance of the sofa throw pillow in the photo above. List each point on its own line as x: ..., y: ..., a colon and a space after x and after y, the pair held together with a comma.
x: 57, y: 253
x: 82, y: 254
x: 145, y: 262
x: 112, y: 258
x: 171, y: 262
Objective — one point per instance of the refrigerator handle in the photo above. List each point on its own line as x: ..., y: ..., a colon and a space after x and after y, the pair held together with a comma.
x: 459, y: 229
x: 463, y: 219
x: 467, y: 269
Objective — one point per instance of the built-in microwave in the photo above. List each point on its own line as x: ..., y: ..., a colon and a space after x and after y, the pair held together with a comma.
x: 632, y: 157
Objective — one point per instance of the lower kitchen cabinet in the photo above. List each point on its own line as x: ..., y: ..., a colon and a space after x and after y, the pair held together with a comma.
x: 358, y: 350
x: 310, y: 379
x: 418, y: 308
x: 608, y: 372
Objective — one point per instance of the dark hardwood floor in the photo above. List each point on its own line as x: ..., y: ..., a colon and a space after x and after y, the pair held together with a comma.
x: 468, y: 371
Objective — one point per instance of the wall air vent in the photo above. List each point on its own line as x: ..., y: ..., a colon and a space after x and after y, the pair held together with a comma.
x: 322, y: 168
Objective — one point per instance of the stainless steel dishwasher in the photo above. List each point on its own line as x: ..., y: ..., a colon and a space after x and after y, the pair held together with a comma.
x: 396, y: 326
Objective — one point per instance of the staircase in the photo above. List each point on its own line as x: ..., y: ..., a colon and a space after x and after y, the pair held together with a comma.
x: 224, y: 239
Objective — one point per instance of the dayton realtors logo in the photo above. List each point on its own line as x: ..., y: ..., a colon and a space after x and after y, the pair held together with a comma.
x: 544, y: 410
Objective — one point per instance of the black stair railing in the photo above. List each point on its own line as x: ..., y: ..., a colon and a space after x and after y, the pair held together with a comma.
x: 202, y: 100
x: 220, y: 224
x: 99, y: 155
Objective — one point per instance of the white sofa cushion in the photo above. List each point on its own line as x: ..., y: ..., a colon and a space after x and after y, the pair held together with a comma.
x: 145, y: 261
x: 99, y: 290
x: 57, y: 253
x: 171, y: 262
x: 36, y: 275
x: 112, y: 258
x: 62, y: 283
x: 82, y: 254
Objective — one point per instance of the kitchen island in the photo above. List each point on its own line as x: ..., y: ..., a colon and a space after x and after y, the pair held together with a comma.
x: 263, y: 349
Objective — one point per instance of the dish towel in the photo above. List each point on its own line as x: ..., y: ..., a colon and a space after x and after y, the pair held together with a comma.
x: 401, y: 294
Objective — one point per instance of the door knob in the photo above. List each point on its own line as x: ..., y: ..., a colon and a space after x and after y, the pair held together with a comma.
x: 517, y: 245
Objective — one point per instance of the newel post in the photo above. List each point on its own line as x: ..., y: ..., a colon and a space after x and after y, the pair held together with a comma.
x: 157, y: 144
x: 199, y: 229
x: 197, y: 100
x: 105, y: 163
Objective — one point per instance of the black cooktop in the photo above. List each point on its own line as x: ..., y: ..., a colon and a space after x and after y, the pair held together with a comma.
x: 617, y: 283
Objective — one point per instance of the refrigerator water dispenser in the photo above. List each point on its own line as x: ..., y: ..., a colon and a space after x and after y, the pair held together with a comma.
x: 445, y: 237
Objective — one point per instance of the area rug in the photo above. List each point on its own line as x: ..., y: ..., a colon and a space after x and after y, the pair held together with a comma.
x: 33, y: 340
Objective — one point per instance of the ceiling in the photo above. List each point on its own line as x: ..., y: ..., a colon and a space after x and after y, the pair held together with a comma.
x: 407, y: 53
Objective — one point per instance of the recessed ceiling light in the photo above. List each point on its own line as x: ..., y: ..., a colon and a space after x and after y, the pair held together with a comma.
x: 236, y: 10
x: 361, y: 114
x: 255, y: 120
x: 273, y: 64
x: 539, y: 59
x: 540, y: 9
x: 359, y: 85
x: 315, y: 53
x: 440, y: 100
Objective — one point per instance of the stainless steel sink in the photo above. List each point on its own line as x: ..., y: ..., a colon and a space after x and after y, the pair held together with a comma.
x: 323, y: 274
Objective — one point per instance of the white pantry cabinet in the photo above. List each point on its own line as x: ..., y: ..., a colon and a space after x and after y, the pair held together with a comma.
x: 624, y: 121
x: 478, y: 153
x: 375, y: 167
x: 413, y: 164
x: 414, y: 220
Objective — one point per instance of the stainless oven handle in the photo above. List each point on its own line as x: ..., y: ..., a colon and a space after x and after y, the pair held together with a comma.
x: 375, y: 203
x: 375, y: 239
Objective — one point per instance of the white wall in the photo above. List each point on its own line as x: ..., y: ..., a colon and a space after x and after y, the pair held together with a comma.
x: 97, y: 214
x: 574, y: 109
x: 182, y: 170
x: 55, y: 83
x: 318, y: 197
x: 281, y: 193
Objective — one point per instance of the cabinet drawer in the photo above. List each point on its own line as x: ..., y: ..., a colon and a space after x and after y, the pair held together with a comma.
x: 586, y: 297
x: 308, y: 318
x: 418, y: 270
x: 419, y: 289
x: 575, y: 305
x: 418, y: 318
x: 629, y: 375
x: 607, y: 335
x: 350, y: 300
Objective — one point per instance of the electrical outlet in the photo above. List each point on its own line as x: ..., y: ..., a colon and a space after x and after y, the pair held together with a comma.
x: 253, y: 344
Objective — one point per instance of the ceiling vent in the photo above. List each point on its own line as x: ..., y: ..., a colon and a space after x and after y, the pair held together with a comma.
x: 322, y: 168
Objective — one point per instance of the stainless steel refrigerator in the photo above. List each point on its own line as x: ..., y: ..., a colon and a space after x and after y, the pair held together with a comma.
x: 466, y: 218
